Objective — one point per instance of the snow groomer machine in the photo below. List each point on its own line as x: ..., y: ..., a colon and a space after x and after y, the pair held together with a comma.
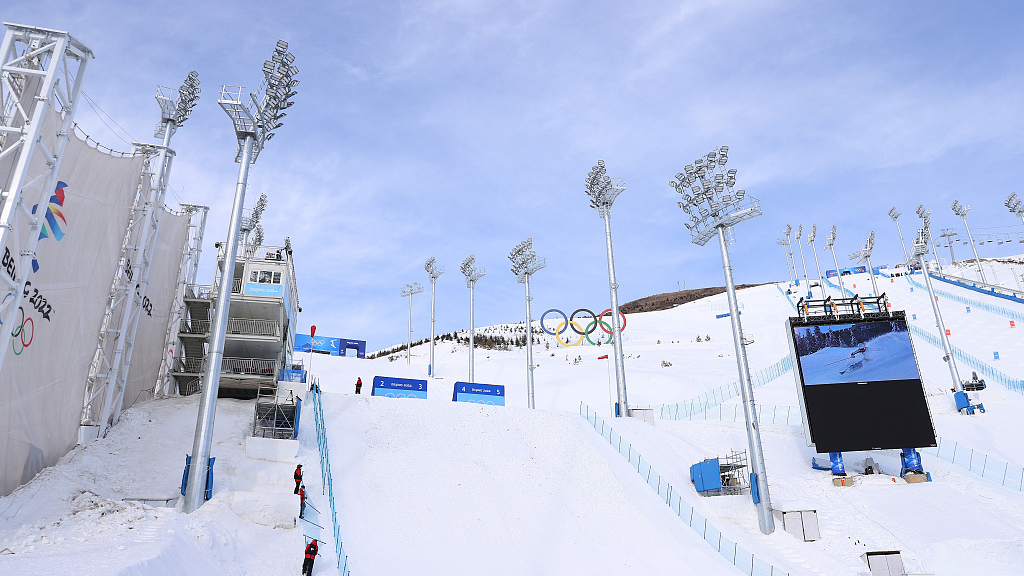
x: 859, y: 384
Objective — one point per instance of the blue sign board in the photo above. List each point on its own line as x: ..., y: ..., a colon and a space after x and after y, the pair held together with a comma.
x: 845, y: 271
x: 285, y: 375
x: 479, y: 393
x: 328, y: 345
x: 399, y: 387
x: 275, y: 290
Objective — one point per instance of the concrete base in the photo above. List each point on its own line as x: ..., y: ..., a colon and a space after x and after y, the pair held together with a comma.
x: 272, y: 449
x: 913, y: 478
x: 842, y: 481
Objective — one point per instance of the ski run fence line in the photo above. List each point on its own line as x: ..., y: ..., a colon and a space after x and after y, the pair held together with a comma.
x: 1011, y: 383
x: 1003, y: 473
x: 685, y: 410
x: 746, y: 561
x: 325, y: 471
x: 998, y: 310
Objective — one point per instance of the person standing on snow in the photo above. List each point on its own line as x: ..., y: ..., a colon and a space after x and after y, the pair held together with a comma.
x: 302, y: 500
x: 298, y: 478
x: 359, y: 385
x: 307, y: 564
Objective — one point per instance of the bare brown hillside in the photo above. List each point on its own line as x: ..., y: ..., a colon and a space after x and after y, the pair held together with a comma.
x: 673, y: 299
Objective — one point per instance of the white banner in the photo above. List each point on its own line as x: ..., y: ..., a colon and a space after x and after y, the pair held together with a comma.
x: 42, y: 381
x: 148, y: 350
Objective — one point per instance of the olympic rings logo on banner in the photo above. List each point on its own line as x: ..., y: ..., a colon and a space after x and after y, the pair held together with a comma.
x: 569, y: 322
x: 18, y: 334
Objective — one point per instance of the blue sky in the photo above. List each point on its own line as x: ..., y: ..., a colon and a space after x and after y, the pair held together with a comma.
x: 445, y: 128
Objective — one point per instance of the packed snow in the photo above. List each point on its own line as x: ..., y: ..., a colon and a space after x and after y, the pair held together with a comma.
x: 437, y: 487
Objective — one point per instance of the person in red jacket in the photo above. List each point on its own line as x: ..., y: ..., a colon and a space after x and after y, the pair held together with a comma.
x: 359, y: 385
x: 307, y: 564
x: 302, y: 500
x: 298, y: 478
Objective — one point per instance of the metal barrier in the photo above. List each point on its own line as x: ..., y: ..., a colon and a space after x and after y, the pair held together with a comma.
x: 686, y: 409
x: 254, y: 327
x: 747, y: 562
x: 254, y: 366
x: 236, y: 285
x: 987, y: 289
x: 1004, y: 312
x: 199, y: 291
x: 197, y: 327
x: 188, y: 365
x: 325, y: 473
x: 766, y: 414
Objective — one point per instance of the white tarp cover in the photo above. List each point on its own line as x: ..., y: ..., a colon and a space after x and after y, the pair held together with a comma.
x: 148, y: 350
x: 42, y: 381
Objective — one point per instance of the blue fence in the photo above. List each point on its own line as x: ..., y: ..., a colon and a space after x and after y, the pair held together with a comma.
x: 990, y: 373
x: 325, y: 473
x: 731, y: 551
x: 1004, y: 312
x: 685, y: 410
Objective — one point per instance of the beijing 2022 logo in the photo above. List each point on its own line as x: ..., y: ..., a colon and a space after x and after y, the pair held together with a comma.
x: 54, y: 220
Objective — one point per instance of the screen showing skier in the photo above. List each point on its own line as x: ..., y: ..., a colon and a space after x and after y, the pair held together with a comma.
x: 867, y: 351
x: 860, y: 386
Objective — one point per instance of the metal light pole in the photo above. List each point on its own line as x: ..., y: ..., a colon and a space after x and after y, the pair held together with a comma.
x: 472, y: 274
x: 254, y: 125
x: 799, y: 232
x: 434, y: 272
x: 830, y: 241
x: 790, y: 256
x: 409, y: 290
x: 810, y: 242
x: 961, y: 211
x: 524, y: 264
x: 920, y: 249
x: 603, y: 190
x: 925, y: 216
x: 714, y: 208
x: 789, y: 269
x: 1016, y: 206
x: 895, y: 215
x: 864, y: 256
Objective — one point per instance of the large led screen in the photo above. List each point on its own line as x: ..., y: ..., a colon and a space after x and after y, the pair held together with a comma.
x: 860, y: 386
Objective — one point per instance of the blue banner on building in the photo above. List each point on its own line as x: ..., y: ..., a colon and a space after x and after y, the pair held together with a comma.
x: 328, y: 345
x: 479, y: 393
x: 847, y: 271
x: 399, y: 387
x: 275, y: 290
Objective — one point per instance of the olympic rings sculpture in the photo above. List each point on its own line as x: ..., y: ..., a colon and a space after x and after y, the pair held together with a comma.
x: 569, y: 322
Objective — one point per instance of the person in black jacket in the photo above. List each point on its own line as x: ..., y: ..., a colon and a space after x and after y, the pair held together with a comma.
x: 298, y: 478
x: 359, y: 385
x: 307, y: 564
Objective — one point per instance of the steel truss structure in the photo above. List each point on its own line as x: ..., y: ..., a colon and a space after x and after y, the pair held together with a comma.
x: 41, y: 74
x: 108, y: 375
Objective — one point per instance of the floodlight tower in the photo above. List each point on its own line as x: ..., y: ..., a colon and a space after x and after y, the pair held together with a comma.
x: 715, y: 207
x: 895, y: 215
x: 472, y: 274
x: 799, y: 233
x: 1015, y: 205
x: 925, y: 216
x: 410, y: 290
x: 524, y: 264
x: 961, y: 211
x: 790, y: 256
x: 603, y: 190
x: 434, y: 272
x: 864, y: 256
x: 254, y: 124
x: 830, y: 242
x: 810, y: 242
x: 920, y: 249
x: 782, y: 242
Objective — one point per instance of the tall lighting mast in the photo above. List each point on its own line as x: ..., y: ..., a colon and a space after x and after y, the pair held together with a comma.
x: 864, y: 256
x: 472, y: 274
x: 895, y: 215
x: 799, y: 233
x: 603, y: 190
x: 409, y: 291
x: 961, y: 211
x: 830, y: 242
x: 714, y: 208
x: 524, y: 264
x: 810, y: 242
x: 254, y: 124
x: 925, y: 216
x: 434, y: 271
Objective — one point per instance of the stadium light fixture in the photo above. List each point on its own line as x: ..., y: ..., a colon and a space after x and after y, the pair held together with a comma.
x: 925, y: 216
x: 796, y: 238
x: 434, y: 272
x: 863, y: 256
x: 715, y: 207
x: 830, y: 242
x: 602, y: 190
x: 782, y: 242
x: 810, y: 242
x: 961, y: 211
x: 472, y: 274
x: 1015, y: 205
x: 524, y: 264
x: 410, y: 290
x: 921, y: 243
x: 790, y: 256
x: 254, y: 125
x: 895, y: 215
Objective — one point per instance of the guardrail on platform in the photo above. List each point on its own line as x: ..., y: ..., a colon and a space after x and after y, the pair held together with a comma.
x: 747, y: 562
x: 325, y: 473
